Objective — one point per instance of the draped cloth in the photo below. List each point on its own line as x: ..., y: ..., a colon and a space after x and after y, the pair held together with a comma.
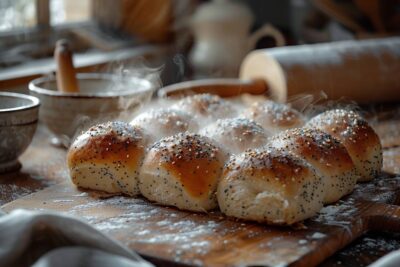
x: 47, y: 239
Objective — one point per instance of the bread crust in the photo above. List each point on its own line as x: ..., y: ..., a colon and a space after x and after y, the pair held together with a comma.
x: 159, y: 123
x: 236, y: 134
x: 270, y: 186
x: 206, y: 107
x: 183, y: 171
x: 359, y: 138
x: 107, y: 157
x: 326, y: 154
x: 273, y: 116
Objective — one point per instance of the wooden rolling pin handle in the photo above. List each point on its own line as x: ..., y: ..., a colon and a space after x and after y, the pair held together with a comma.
x: 66, y: 76
x: 221, y: 87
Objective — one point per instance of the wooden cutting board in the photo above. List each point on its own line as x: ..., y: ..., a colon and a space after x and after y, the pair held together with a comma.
x: 169, y: 237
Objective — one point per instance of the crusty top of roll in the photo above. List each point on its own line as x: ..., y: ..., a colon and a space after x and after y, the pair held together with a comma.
x: 165, y: 122
x: 269, y: 113
x: 349, y: 127
x: 192, y: 158
x: 316, y: 145
x: 116, y: 141
x: 206, y: 105
x: 236, y: 134
x: 281, y: 169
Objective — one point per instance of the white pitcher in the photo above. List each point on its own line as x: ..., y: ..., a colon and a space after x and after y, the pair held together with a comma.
x: 222, y: 39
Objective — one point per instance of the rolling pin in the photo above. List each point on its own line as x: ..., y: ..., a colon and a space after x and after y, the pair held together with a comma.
x: 363, y: 71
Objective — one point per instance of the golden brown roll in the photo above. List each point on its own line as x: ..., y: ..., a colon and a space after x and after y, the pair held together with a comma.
x: 273, y: 116
x: 270, y: 186
x: 357, y: 136
x: 236, y: 135
x: 108, y: 157
x: 161, y: 123
x: 326, y: 154
x: 206, y: 107
x: 182, y: 171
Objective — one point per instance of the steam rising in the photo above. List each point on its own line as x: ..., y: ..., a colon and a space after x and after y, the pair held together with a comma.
x: 133, y: 71
x: 128, y: 76
x: 313, y: 104
x: 133, y: 83
x: 308, y: 104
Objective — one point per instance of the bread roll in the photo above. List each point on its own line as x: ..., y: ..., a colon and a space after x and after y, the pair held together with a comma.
x: 236, y: 135
x: 326, y: 154
x: 107, y: 157
x: 206, y: 107
x: 182, y: 171
x: 161, y: 123
x: 273, y: 116
x: 270, y: 186
x: 357, y: 136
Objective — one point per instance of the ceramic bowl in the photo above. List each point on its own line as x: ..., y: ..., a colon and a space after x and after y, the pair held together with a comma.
x: 102, y: 97
x: 18, y: 121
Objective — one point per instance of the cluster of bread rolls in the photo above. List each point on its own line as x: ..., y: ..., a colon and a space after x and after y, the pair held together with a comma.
x: 265, y: 162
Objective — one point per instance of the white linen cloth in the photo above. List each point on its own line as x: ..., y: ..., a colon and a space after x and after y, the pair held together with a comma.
x: 46, y: 239
x: 390, y: 260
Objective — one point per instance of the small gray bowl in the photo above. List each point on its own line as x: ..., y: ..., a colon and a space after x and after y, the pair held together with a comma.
x: 18, y: 122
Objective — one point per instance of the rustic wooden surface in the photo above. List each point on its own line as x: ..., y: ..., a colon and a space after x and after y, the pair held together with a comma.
x: 170, y: 235
x: 210, y: 239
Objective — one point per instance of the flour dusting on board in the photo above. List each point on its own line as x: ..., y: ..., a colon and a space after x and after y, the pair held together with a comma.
x: 138, y: 216
x: 205, y: 239
x: 338, y: 214
x: 191, y: 237
x: 184, y: 236
x: 12, y: 192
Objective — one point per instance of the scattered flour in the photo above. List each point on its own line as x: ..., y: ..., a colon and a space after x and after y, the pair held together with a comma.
x: 317, y: 235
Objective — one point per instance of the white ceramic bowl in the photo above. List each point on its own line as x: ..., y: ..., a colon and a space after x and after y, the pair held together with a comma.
x: 102, y: 97
x: 18, y: 121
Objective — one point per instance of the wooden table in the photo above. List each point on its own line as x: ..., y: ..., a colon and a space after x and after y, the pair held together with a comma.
x: 44, y: 166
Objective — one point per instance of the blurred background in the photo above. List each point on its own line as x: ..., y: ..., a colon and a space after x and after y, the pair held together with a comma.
x: 173, y: 33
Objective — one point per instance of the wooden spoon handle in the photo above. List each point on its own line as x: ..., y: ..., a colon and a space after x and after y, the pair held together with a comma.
x: 221, y: 87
